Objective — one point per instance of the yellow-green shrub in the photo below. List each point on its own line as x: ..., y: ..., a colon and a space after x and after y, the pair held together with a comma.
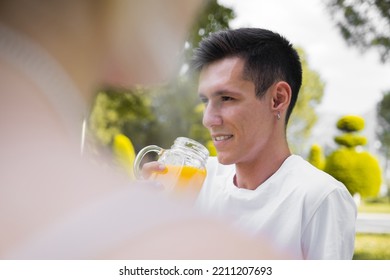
x: 124, y: 153
x: 359, y: 171
x: 212, y: 150
x: 350, y: 140
x: 316, y: 156
x: 350, y: 123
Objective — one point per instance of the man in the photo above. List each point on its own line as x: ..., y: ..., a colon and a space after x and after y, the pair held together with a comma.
x: 249, y: 82
x: 54, y: 203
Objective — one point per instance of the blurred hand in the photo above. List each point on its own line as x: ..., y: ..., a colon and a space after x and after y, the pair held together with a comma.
x: 150, y: 167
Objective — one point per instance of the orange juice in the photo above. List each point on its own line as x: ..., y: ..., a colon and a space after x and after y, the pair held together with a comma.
x: 181, y: 178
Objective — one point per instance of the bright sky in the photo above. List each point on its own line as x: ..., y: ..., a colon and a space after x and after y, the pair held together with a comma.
x: 354, y: 81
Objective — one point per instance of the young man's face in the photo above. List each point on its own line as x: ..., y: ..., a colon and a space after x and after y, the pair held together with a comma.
x: 241, y: 125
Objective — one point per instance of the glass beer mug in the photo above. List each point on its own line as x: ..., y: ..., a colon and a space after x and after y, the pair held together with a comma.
x: 185, y: 165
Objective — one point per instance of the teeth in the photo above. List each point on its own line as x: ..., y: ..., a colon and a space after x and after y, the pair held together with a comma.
x: 220, y: 138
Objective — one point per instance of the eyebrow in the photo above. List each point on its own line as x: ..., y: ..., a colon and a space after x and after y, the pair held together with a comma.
x: 219, y: 93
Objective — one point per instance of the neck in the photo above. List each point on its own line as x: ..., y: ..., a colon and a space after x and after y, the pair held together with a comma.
x: 250, y: 175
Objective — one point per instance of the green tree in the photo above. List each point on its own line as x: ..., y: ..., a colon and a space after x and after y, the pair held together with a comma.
x: 357, y: 169
x: 304, y: 116
x: 383, y: 131
x: 115, y: 112
x: 363, y: 23
x: 214, y: 17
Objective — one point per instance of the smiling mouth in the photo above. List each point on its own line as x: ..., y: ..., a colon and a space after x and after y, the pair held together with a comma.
x: 222, y: 138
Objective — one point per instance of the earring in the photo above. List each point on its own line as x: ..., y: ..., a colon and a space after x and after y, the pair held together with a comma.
x: 278, y: 116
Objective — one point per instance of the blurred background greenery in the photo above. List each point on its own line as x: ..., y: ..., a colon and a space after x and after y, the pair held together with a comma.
x: 373, y: 246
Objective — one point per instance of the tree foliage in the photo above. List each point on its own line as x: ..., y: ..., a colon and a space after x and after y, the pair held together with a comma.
x: 214, y: 17
x: 128, y: 112
x: 383, y: 130
x: 384, y: 122
x: 304, y: 116
x: 363, y: 23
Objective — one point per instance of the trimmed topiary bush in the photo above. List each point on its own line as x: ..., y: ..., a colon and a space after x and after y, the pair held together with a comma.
x: 316, y: 156
x: 350, y: 140
x: 358, y: 170
x: 350, y: 123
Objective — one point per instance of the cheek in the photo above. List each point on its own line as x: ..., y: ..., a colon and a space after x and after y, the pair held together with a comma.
x: 256, y: 125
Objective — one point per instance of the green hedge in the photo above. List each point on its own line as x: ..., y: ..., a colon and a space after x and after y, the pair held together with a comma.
x: 359, y: 171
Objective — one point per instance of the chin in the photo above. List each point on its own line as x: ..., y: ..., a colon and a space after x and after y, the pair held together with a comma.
x: 224, y: 159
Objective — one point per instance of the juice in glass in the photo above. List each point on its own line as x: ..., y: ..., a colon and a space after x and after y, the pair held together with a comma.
x: 181, y: 178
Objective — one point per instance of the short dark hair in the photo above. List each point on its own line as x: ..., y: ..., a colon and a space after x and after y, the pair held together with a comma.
x: 268, y: 58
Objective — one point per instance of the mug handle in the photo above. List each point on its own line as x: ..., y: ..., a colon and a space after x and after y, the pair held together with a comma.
x: 141, y: 155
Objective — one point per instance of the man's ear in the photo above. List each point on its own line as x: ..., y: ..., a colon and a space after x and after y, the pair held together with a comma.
x: 281, y: 96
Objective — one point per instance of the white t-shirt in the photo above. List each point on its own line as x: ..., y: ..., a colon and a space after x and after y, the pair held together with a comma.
x: 302, y: 210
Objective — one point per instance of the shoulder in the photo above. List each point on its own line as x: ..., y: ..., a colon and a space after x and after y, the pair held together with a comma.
x: 302, y: 172
x: 312, y: 184
x: 319, y: 193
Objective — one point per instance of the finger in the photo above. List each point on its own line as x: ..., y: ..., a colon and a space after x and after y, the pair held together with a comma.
x: 150, y: 167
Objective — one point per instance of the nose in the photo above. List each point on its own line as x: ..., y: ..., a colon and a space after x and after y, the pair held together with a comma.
x: 211, y: 117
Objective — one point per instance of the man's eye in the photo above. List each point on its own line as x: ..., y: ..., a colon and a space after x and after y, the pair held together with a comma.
x: 226, y: 98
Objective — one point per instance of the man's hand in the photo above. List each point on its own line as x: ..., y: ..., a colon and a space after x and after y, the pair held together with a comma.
x: 150, y: 167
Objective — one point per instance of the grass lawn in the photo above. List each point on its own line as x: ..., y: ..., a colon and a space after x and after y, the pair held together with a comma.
x: 372, y: 247
x: 377, y: 205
